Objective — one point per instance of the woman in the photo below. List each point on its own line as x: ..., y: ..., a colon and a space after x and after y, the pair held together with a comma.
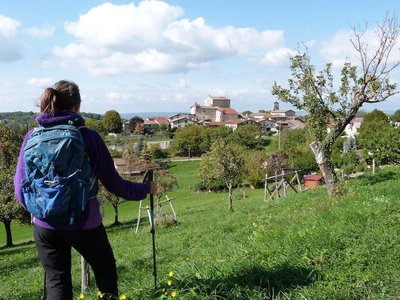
x: 60, y: 105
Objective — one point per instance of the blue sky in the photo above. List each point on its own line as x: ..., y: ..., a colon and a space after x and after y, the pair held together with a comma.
x: 145, y: 56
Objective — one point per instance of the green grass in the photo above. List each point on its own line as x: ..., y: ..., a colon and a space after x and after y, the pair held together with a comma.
x: 273, y: 145
x: 305, y: 246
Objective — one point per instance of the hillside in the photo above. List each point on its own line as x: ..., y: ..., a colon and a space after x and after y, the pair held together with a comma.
x: 305, y: 246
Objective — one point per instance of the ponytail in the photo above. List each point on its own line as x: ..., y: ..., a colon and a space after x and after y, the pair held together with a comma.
x: 64, y: 95
x: 48, y: 101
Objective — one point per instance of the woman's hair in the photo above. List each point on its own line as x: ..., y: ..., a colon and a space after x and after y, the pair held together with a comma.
x: 64, y: 95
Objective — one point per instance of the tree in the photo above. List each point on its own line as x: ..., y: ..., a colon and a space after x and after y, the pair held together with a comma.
x: 156, y: 152
x: 134, y: 121
x: 299, y: 155
x: 139, y: 128
x: 224, y: 162
x: 96, y: 125
x: 255, y: 171
x: 165, y: 182
x: 247, y: 136
x: 396, y: 116
x: 316, y: 93
x: 264, y: 111
x: 187, y: 140
x: 146, y: 154
x: 375, y: 116
x: 10, y: 209
x: 138, y: 147
x: 114, y: 200
x: 112, y: 121
x: 379, y: 141
x: 275, y: 163
x: 155, y: 128
x: 247, y: 113
x: 210, y: 134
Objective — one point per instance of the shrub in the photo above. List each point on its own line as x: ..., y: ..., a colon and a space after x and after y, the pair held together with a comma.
x: 156, y: 152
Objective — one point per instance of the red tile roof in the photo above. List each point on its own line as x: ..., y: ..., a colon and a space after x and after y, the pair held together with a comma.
x: 235, y: 121
x: 269, y: 116
x: 156, y: 120
x: 312, y: 177
x: 229, y: 111
x: 162, y: 120
x: 212, y: 123
x: 149, y: 122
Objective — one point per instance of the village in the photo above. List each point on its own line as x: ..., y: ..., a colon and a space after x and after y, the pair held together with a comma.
x: 217, y: 111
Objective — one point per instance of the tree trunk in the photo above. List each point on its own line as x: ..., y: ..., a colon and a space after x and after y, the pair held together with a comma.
x: 325, y: 165
x: 7, y: 226
x: 230, y: 198
x: 116, y: 220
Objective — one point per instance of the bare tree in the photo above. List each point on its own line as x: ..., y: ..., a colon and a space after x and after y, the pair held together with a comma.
x: 314, y: 91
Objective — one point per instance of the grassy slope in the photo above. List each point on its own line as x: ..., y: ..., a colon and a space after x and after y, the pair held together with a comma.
x: 303, y: 247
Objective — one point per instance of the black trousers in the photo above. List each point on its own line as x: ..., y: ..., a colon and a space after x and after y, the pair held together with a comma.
x: 54, y: 249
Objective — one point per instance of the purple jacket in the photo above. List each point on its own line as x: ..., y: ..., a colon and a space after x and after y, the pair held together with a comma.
x: 102, y: 166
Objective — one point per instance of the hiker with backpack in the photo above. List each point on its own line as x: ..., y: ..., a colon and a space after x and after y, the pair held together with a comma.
x: 56, y: 180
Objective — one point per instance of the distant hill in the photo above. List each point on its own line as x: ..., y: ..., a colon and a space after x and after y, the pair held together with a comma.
x: 144, y: 115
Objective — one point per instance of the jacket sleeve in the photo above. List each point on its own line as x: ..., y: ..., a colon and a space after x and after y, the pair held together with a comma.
x: 20, y: 171
x: 104, y: 169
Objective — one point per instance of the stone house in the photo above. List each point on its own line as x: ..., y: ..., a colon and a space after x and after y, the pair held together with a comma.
x: 287, y: 113
x: 234, y: 123
x: 215, y: 109
x: 152, y: 122
x: 126, y: 127
x: 181, y: 120
x: 352, y: 128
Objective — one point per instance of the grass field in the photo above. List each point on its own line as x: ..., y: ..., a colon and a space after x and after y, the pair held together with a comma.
x: 305, y: 246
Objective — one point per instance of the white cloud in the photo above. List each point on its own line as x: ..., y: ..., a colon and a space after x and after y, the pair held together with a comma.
x: 310, y: 44
x: 152, y: 37
x: 278, y: 56
x: 117, y: 97
x: 40, y: 82
x: 8, y: 26
x: 182, y: 84
x: 45, y: 32
x: 10, y: 49
x: 339, y: 49
x: 128, y: 25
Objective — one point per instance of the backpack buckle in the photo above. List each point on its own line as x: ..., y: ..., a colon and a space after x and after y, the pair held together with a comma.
x: 51, y: 182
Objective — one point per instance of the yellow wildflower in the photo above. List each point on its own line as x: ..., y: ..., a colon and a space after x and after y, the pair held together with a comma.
x: 173, y: 294
x: 169, y: 282
x: 99, y: 294
x: 122, y: 297
x: 81, y: 296
x: 170, y: 274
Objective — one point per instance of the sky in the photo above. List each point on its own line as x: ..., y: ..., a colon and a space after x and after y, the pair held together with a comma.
x: 163, y: 56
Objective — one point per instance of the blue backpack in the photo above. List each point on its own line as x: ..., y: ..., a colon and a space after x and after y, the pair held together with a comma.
x: 58, y: 174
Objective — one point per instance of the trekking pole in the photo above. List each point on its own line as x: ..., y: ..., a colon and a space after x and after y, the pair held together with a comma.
x: 44, y: 293
x: 149, y: 177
